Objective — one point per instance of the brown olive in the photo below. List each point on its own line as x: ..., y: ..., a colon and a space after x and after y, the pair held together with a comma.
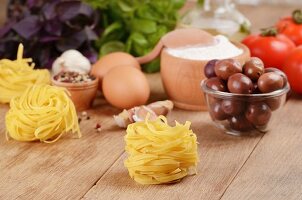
x: 217, y: 84
x: 226, y: 68
x: 233, y: 107
x: 216, y: 111
x: 240, y: 123
x: 253, y: 68
x: 209, y: 71
x: 258, y: 113
x: 274, y: 103
x: 278, y: 71
x: 240, y: 84
x: 269, y: 82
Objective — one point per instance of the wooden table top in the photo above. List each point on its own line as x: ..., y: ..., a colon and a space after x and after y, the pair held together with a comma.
x: 263, y: 167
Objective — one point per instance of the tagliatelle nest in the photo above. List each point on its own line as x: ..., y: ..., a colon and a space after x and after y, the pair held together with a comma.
x: 42, y: 112
x: 159, y: 153
x: 17, y: 75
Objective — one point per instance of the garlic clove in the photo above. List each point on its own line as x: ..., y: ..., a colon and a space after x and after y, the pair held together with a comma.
x: 141, y: 113
x: 161, y: 107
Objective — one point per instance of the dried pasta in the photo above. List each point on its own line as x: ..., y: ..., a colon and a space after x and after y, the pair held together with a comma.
x: 17, y: 75
x: 159, y: 153
x: 42, y: 112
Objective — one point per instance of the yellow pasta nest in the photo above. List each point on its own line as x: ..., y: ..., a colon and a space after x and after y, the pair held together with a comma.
x: 17, y: 75
x: 159, y: 153
x: 42, y: 112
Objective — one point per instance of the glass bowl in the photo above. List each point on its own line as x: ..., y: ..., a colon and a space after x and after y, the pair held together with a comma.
x: 244, y: 114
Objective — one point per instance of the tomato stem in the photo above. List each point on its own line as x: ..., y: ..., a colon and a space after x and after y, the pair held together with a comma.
x: 269, y: 32
x: 297, y: 16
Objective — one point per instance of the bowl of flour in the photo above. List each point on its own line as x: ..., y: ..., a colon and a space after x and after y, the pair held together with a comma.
x: 182, y: 69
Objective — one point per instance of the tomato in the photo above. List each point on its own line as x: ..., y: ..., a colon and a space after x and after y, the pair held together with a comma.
x: 292, y: 27
x: 271, y: 49
x: 293, y: 69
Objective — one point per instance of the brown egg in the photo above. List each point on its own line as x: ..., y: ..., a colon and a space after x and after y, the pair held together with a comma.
x: 109, y: 61
x: 253, y: 68
x: 240, y: 84
x: 270, y: 82
x: 125, y: 87
x: 258, y: 113
x: 226, y: 68
x: 217, y: 84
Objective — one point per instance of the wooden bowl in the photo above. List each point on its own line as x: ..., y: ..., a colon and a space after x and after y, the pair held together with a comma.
x: 181, y: 78
x: 82, y: 94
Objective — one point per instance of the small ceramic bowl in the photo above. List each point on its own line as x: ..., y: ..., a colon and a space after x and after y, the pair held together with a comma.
x: 252, y: 113
x: 181, y: 78
x: 82, y: 94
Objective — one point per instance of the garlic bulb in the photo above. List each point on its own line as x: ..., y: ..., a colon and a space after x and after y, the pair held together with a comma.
x: 71, y: 60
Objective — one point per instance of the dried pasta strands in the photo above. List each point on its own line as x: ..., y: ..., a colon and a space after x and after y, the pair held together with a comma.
x: 42, y: 112
x: 159, y: 153
x: 17, y: 75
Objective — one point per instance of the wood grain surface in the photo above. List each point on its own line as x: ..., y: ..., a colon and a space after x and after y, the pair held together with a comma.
x: 268, y: 167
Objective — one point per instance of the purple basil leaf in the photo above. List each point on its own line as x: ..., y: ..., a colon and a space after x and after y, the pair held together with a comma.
x: 68, y: 10
x: 49, y: 10
x: 90, y: 34
x: 91, y: 54
x: 28, y: 26
x: 53, y: 27
x: 32, y: 3
x: 86, y: 10
x: 6, y: 28
x: 46, y: 39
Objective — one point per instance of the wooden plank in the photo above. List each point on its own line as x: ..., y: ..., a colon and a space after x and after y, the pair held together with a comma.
x: 274, y: 170
x: 69, y: 167
x: 221, y: 157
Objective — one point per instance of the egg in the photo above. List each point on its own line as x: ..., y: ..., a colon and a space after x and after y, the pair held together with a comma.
x: 125, y: 87
x: 109, y: 61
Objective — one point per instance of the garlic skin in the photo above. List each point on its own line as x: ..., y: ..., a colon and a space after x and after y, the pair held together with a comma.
x: 71, y: 60
x: 139, y: 113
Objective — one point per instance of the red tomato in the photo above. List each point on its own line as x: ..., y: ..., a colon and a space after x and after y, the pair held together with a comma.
x: 292, y: 27
x: 272, y: 50
x: 293, y: 69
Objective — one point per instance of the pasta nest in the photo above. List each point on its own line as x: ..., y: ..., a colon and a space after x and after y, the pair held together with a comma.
x: 17, y: 75
x: 159, y: 153
x: 42, y: 112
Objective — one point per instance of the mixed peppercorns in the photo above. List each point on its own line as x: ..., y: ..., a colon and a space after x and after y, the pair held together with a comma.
x: 73, y: 77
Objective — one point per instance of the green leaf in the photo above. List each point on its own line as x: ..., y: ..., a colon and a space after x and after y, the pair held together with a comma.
x: 139, y: 39
x: 143, y: 25
x: 153, y: 66
x: 111, y: 28
x: 112, y: 46
x: 125, y: 6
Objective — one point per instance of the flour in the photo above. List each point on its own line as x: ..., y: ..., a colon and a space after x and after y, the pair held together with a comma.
x: 222, y: 49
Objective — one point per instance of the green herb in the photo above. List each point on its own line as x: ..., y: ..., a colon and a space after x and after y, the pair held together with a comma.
x: 135, y: 26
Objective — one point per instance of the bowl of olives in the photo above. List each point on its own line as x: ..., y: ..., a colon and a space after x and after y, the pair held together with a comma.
x: 242, y: 100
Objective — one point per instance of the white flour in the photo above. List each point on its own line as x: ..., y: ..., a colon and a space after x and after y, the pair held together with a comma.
x: 221, y: 50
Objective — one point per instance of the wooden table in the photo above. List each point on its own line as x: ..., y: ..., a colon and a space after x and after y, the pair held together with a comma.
x: 263, y: 167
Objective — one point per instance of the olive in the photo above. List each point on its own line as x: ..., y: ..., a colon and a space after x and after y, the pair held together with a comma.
x: 209, y: 69
x: 217, y: 84
x: 269, y: 82
x: 240, y: 84
x: 240, y: 123
x: 226, y: 68
x: 274, y: 103
x: 216, y: 111
x: 258, y: 113
x: 253, y: 68
x: 278, y: 71
x: 233, y: 106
